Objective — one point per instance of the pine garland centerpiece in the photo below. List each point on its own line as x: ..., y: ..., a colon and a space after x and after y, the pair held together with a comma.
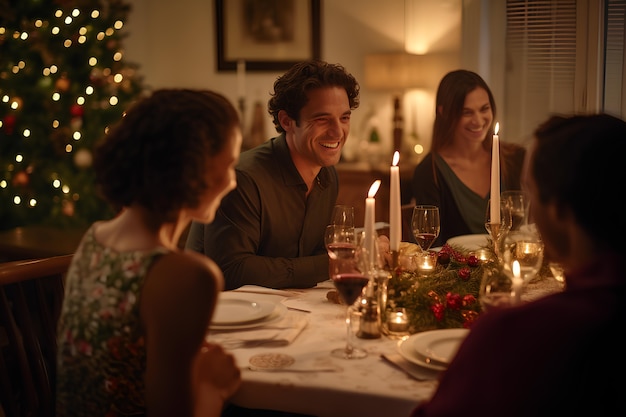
x: 445, y: 298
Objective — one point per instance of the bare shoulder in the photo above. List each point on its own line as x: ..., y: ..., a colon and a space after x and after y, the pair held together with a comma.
x: 185, y: 272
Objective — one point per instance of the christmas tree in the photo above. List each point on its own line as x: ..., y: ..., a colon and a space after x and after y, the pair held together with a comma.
x: 63, y: 82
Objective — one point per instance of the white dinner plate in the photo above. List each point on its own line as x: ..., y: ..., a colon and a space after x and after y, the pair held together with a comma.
x: 439, y: 346
x: 470, y: 242
x: 406, y: 350
x: 276, y: 315
x: 239, y: 310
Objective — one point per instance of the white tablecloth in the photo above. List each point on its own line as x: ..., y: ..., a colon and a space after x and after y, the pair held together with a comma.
x: 363, y: 387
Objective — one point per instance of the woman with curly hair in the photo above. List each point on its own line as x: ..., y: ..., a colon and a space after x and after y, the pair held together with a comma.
x: 136, y: 308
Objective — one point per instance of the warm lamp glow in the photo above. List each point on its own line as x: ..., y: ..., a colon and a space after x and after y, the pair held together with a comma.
x: 395, y: 71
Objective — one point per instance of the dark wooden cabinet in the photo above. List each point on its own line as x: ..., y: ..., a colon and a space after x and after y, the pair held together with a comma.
x: 355, y: 180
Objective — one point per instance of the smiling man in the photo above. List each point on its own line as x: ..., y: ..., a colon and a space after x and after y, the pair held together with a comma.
x: 269, y: 230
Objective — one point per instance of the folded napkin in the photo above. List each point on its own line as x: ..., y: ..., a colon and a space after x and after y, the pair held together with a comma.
x: 279, y: 333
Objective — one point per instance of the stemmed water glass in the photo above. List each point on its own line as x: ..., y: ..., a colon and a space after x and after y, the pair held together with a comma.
x: 343, y: 215
x: 516, y: 203
x: 348, y: 271
x: 425, y: 225
x: 525, y: 247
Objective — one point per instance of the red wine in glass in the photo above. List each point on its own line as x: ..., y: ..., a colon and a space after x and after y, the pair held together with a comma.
x: 425, y: 225
x: 350, y: 286
x: 341, y: 250
x: 346, y: 272
x: 425, y: 239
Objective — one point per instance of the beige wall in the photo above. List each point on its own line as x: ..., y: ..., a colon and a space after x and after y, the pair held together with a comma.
x: 174, y: 44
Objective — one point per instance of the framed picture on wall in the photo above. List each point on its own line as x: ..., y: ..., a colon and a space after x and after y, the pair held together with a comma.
x: 269, y: 35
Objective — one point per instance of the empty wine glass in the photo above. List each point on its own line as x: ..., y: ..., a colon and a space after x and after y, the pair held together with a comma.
x: 425, y: 225
x: 348, y: 273
x: 497, y: 290
x: 516, y: 203
x: 525, y: 247
x: 343, y: 215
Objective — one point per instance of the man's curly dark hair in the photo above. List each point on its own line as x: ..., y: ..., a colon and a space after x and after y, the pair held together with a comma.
x: 290, y: 89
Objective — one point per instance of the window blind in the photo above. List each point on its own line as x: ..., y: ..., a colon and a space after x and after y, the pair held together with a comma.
x: 614, y: 74
x: 540, y: 68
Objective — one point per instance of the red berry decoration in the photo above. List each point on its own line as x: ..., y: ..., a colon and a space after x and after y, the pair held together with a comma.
x: 460, y: 258
x: 443, y: 258
x: 464, y: 273
x: 468, y: 318
x: 438, y: 310
x: 473, y: 261
x: 468, y: 299
x: 453, y: 301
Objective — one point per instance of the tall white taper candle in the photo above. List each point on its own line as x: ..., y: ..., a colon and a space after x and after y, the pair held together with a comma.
x: 369, y: 235
x: 495, y: 178
x: 395, y: 213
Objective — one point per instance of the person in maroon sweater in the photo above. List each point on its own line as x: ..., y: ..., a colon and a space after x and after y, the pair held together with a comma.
x: 563, y: 354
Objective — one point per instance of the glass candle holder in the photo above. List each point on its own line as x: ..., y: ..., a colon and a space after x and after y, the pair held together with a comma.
x: 408, y: 262
x: 482, y: 254
x: 397, y: 323
x: 426, y: 263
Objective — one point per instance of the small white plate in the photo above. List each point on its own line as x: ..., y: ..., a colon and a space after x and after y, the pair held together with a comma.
x: 470, y: 242
x: 439, y: 346
x: 406, y: 350
x: 231, y: 310
x: 276, y: 315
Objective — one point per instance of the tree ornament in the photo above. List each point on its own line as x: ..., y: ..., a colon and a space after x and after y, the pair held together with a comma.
x: 9, y: 123
x: 68, y: 208
x: 20, y: 179
x: 443, y: 258
x: 96, y: 77
x: 76, y: 123
x: 62, y: 84
x: 77, y: 110
x: 83, y: 158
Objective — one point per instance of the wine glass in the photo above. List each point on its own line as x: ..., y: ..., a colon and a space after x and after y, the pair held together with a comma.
x: 497, y: 290
x: 516, y: 203
x: 349, y: 275
x: 343, y: 215
x: 425, y: 225
x: 525, y: 247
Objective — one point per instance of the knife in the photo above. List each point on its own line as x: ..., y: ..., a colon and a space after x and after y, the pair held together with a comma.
x: 413, y: 370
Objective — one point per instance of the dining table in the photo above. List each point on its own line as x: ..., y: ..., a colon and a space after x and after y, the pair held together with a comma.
x: 316, y: 383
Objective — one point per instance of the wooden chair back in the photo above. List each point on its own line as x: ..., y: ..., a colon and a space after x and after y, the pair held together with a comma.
x: 31, y: 295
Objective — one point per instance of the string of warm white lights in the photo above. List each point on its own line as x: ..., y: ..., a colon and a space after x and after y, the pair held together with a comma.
x: 65, y: 83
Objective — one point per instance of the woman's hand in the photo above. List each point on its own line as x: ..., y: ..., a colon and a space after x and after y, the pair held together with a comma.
x: 216, y: 378
x: 384, y: 251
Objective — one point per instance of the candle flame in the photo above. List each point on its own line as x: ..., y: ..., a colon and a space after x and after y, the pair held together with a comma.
x: 497, y: 129
x: 516, y: 269
x: 396, y: 158
x: 373, y: 189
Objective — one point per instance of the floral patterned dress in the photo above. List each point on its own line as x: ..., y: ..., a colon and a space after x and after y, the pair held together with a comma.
x: 101, y: 358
